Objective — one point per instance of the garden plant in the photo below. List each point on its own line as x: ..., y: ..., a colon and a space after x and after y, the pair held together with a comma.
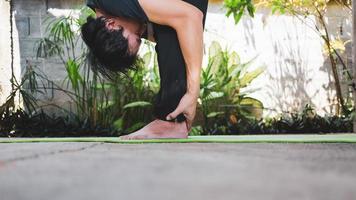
x: 119, y: 106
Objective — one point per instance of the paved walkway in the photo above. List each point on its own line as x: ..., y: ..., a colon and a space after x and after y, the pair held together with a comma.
x: 98, y: 171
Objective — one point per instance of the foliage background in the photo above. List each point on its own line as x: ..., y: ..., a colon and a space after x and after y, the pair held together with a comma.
x: 124, y: 105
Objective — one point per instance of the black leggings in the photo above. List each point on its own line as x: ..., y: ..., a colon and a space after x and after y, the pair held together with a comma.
x: 172, y: 68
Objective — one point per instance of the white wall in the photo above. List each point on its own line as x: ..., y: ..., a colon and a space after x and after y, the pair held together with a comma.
x: 5, y: 55
x: 296, y: 70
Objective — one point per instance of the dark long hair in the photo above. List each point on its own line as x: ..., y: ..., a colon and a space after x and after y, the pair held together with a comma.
x: 108, y: 49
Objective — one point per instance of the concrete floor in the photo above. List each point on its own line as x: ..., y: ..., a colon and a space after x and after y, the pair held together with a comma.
x: 98, y: 171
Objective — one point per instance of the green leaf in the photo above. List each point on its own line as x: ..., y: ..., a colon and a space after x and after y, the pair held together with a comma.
x: 102, y: 86
x: 73, y: 73
x: 214, y: 49
x: 105, y: 105
x: 216, y: 63
x: 251, y: 102
x: 214, y: 95
x: 136, y: 127
x: 251, y: 10
x: 137, y: 104
x: 196, y: 130
x: 234, y: 59
x: 214, y: 114
x: 274, y: 9
x: 229, y: 12
x: 119, y: 124
x: 237, y: 17
x: 252, y: 106
x: 250, y: 76
x: 147, y: 58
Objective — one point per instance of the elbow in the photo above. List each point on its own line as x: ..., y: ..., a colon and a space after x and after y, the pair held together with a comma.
x: 192, y: 18
x: 196, y: 15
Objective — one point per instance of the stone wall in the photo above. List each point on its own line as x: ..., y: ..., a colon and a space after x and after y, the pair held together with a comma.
x: 30, y: 17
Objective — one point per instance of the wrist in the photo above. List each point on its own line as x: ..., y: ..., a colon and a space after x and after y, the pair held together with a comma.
x: 194, y: 91
x: 193, y: 82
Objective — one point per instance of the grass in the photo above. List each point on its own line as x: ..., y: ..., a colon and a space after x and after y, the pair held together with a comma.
x: 327, y: 138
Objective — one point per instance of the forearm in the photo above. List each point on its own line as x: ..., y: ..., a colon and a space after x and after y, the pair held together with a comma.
x: 190, y: 36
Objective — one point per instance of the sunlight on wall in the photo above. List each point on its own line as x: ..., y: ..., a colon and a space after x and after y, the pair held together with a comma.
x: 5, y: 52
x: 55, y: 12
x: 296, y: 73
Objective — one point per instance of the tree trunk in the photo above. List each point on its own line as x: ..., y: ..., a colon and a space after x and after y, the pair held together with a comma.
x: 326, y: 38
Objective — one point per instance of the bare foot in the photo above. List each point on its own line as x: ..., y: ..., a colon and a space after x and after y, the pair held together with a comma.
x: 159, y: 129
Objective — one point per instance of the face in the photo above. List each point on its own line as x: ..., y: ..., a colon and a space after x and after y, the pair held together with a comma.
x: 132, y: 31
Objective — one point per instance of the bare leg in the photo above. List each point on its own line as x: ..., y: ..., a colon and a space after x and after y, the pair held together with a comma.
x: 159, y: 129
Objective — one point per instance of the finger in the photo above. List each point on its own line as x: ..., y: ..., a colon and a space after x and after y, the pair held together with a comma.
x: 173, y: 114
x: 188, y: 121
x: 188, y: 124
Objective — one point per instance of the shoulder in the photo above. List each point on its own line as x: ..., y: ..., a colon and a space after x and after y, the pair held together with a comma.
x: 170, y: 12
x: 121, y: 8
x: 92, y: 4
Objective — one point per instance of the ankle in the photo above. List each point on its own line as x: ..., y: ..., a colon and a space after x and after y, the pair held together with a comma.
x: 169, y: 124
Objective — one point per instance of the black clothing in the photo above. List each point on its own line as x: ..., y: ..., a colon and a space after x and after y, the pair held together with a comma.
x: 172, y: 68
x: 123, y: 8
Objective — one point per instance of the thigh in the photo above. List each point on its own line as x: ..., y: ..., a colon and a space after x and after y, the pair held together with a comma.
x: 172, y: 72
x: 172, y: 68
x: 169, y: 55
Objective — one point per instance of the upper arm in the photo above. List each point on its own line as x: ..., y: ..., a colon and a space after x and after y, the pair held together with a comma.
x: 170, y: 12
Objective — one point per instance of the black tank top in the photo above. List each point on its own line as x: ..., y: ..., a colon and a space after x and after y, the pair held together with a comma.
x: 133, y: 10
x: 122, y: 8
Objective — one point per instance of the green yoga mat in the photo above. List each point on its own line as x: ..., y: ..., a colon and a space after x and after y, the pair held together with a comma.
x: 329, y: 138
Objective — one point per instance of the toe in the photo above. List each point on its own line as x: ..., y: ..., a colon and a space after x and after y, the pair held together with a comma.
x: 136, y: 137
x: 133, y: 138
x: 123, y: 137
x: 130, y: 137
x: 139, y: 137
